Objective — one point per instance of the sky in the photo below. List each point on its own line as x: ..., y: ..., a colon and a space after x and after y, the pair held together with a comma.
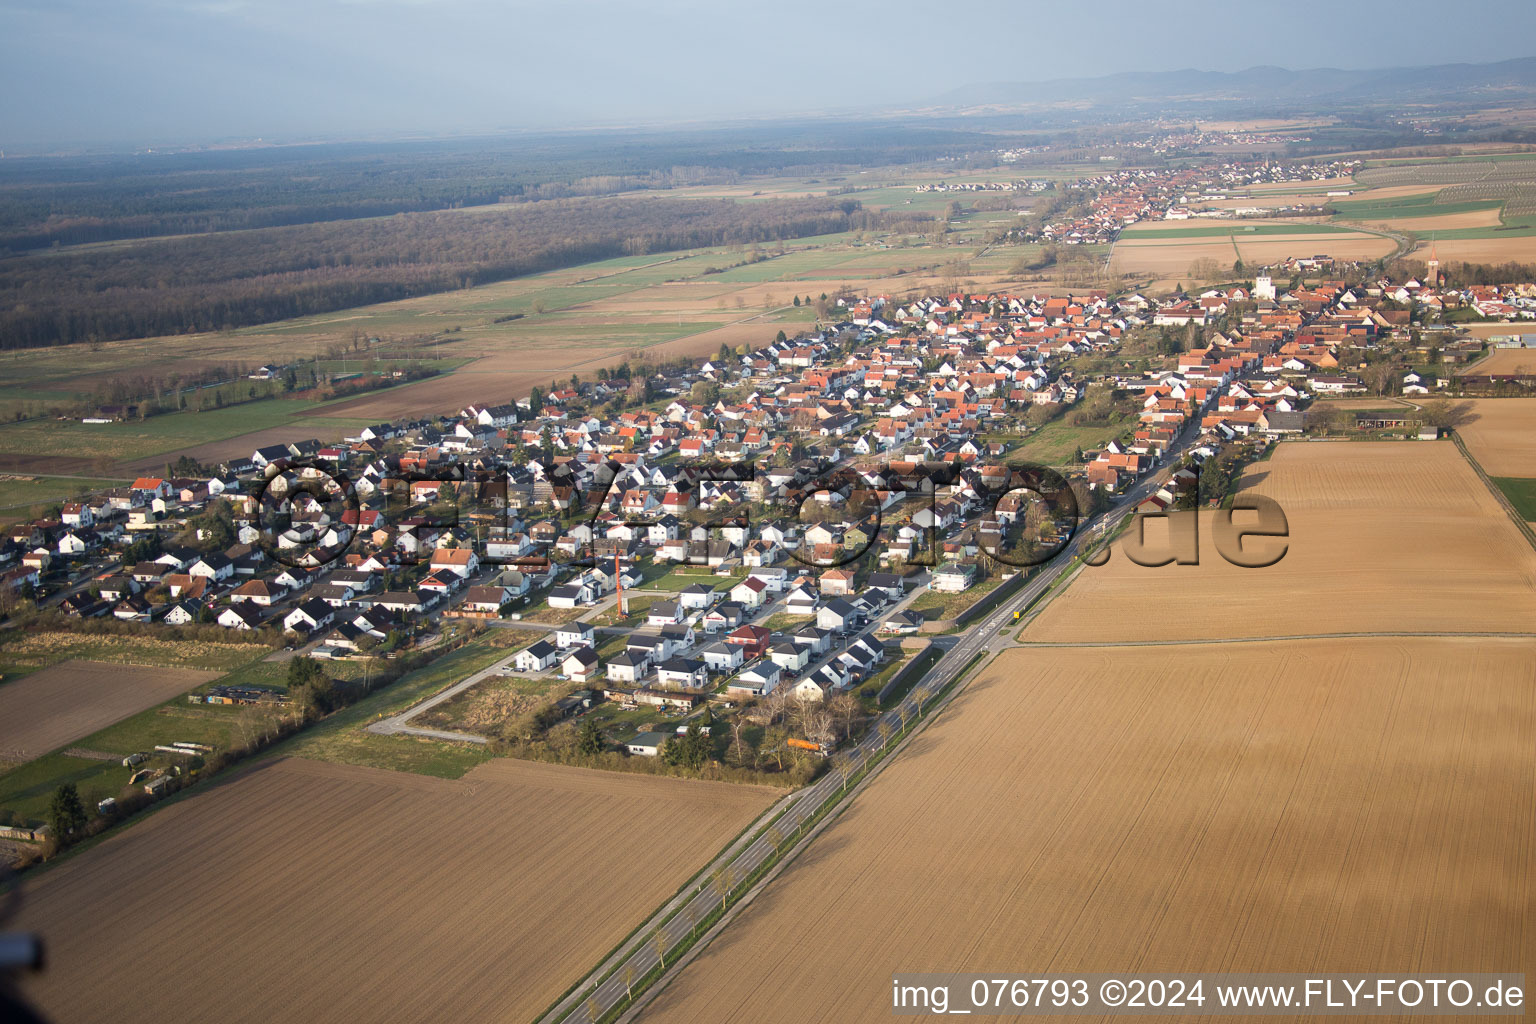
x: 137, y: 72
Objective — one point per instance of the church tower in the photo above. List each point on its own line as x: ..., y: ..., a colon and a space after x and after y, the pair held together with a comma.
x: 1432, y: 267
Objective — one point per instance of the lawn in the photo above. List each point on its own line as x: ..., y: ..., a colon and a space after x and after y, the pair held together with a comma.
x: 1521, y: 494
x: 26, y: 789
x: 935, y: 604
x: 1057, y: 443
x: 784, y: 620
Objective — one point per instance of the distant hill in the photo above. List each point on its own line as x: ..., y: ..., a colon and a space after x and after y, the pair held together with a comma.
x: 1268, y: 86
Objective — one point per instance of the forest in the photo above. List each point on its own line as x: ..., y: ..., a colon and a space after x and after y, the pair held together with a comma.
x: 220, y: 281
x: 71, y: 200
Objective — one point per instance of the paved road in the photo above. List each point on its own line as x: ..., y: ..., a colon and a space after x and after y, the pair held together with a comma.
x: 640, y: 954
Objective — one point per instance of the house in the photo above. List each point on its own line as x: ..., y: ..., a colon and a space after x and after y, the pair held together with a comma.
x: 309, y: 617
x: 892, y: 585
x: 838, y: 615
x: 752, y: 639
x: 536, y: 658
x: 258, y: 592
x: 836, y: 583
x: 646, y: 744
x: 240, y: 616
x: 952, y: 578
x: 696, y: 596
x: 654, y: 646
x: 724, y: 616
x: 462, y: 562
x: 629, y: 667
x: 750, y: 592
x: 571, y: 595
x: 580, y: 664
x: 183, y: 613
x: 485, y: 599
x: 663, y: 613
x: 721, y: 657
x: 683, y: 673
x: 575, y: 634
x: 902, y: 622
x: 789, y: 656
x: 758, y: 679
x: 801, y: 601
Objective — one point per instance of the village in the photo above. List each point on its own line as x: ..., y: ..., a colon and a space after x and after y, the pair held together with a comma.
x: 793, y: 524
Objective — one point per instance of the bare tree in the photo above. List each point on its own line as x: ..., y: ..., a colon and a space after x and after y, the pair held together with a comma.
x: 694, y: 914
x: 629, y: 981
x: 593, y: 1010
x: 844, y: 766
x: 775, y: 835
x: 659, y: 943
x: 885, y: 728
x: 819, y: 727
x: 846, y: 707
x: 725, y: 880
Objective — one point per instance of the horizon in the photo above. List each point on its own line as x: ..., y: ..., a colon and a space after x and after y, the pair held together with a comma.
x: 84, y: 74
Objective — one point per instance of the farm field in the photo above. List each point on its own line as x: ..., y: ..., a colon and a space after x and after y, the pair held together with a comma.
x: 1501, y: 433
x: 1171, y: 256
x: 1506, y: 360
x: 363, y: 894
x: 1384, y: 536
x: 47, y: 709
x: 1299, y: 806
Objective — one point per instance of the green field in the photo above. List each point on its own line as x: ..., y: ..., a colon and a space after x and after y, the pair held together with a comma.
x: 1521, y: 494
x: 22, y: 492
x: 158, y: 434
x: 1057, y: 443
x: 1406, y: 206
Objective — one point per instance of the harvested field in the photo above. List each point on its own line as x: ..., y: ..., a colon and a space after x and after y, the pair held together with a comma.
x: 1517, y: 246
x: 1351, y: 806
x: 1390, y: 536
x: 46, y: 709
x: 312, y: 891
x: 1173, y: 256
x: 1501, y: 432
x: 1466, y: 219
x: 1507, y: 360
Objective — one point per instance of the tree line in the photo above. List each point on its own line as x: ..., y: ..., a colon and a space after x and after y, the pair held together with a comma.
x: 222, y: 281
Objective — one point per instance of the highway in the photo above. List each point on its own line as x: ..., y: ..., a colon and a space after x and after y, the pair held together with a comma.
x: 639, y: 954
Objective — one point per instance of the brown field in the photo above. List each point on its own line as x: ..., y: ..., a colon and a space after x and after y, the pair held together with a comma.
x: 1390, y: 536
x: 1173, y: 256
x: 1520, y: 249
x: 1508, y: 360
x: 310, y: 891
x: 1466, y: 219
x: 1305, y: 806
x: 45, y: 710
x: 1501, y: 434
x: 1492, y: 329
x: 1324, y: 184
